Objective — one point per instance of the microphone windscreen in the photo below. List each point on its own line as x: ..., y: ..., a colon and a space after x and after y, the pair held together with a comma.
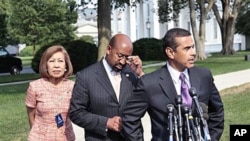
x: 204, y: 110
x: 185, y: 108
x: 192, y: 91
x: 170, y: 107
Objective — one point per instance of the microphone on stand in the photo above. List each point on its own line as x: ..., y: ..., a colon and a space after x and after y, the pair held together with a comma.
x: 194, y: 128
x: 179, y: 116
x: 193, y: 94
x: 170, y: 109
x: 197, y: 125
x: 185, y: 109
x: 176, y: 128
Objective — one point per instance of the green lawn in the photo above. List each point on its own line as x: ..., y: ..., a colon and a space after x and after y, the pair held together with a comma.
x: 14, y: 124
x: 15, y: 127
x: 237, y: 110
x: 26, y: 60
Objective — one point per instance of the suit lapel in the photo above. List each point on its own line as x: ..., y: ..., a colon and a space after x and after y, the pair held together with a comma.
x: 103, y: 79
x: 167, y: 84
x: 195, y: 79
x: 127, y: 80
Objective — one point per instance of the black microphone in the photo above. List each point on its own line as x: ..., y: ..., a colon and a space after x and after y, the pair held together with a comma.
x: 179, y: 116
x: 194, y: 128
x: 176, y: 128
x: 197, y: 125
x: 193, y: 94
x: 170, y: 110
x: 185, y: 109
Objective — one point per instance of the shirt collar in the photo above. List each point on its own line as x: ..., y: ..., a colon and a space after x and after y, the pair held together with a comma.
x: 176, y: 74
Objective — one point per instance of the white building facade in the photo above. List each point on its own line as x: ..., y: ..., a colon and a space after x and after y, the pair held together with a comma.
x: 141, y: 21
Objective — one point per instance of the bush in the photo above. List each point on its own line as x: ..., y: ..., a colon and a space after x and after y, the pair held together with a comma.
x: 149, y: 49
x: 82, y: 54
x: 87, y: 38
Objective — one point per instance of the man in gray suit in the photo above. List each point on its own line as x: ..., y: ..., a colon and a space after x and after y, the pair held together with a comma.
x: 162, y: 88
x: 102, y: 89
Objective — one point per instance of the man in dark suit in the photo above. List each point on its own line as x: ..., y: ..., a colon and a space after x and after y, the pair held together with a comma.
x: 162, y: 87
x: 102, y: 89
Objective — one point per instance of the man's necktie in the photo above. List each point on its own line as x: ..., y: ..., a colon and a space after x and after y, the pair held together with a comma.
x: 116, y: 83
x: 186, y: 98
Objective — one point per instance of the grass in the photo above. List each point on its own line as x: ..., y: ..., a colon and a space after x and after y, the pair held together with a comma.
x: 26, y: 60
x: 236, y: 105
x: 14, y: 121
x: 15, y: 78
x: 13, y: 118
x: 219, y: 64
x: 15, y: 127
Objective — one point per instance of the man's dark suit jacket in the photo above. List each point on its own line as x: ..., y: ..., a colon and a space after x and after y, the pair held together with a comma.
x: 94, y: 101
x: 156, y: 90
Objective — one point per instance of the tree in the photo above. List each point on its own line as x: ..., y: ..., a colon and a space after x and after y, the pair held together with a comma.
x: 229, y: 10
x: 242, y: 22
x: 104, y: 8
x: 201, y: 7
x: 41, y: 21
x: 104, y: 25
x: 3, y: 23
x: 170, y: 9
x: 227, y: 22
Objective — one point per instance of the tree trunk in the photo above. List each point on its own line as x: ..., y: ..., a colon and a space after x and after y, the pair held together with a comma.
x: 199, y: 35
x: 228, y: 40
x: 104, y: 26
x: 227, y: 23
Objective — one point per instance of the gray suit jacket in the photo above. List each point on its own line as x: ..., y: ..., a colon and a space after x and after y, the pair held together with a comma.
x: 94, y: 101
x: 156, y: 90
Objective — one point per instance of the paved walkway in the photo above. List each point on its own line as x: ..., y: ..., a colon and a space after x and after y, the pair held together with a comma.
x: 221, y: 81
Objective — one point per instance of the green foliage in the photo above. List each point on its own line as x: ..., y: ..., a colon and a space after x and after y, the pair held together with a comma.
x: 148, y: 49
x: 39, y: 22
x: 242, y: 25
x: 4, y: 36
x: 87, y: 38
x: 81, y: 53
x: 3, y: 30
x: 170, y: 9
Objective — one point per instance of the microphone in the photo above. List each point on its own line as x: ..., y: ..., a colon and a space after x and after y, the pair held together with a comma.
x: 176, y: 128
x: 185, y: 109
x: 194, y: 129
x: 204, y: 109
x: 170, y: 109
x: 193, y: 94
x: 179, y: 116
x: 197, y: 125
